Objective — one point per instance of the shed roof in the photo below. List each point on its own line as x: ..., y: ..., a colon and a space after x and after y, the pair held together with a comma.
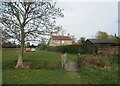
x: 61, y: 38
x: 101, y: 41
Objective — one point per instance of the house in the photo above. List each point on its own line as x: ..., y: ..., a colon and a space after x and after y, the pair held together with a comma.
x: 60, y: 40
x: 101, y: 46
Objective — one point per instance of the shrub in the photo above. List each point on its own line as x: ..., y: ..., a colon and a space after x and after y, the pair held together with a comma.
x: 42, y: 47
x: 80, y: 61
x: 101, y: 60
x: 92, y: 62
x: 73, y: 49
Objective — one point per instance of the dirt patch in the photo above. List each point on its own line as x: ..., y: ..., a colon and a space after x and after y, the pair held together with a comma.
x: 71, y: 66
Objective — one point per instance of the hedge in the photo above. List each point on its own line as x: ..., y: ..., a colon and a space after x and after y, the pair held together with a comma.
x: 73, y: 49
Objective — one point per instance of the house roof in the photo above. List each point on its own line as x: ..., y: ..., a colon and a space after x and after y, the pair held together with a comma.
x: 61, y: 38
x: 101, y: 41
x: 75, y: 42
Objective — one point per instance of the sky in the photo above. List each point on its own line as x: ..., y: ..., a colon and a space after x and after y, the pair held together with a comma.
x: 86, y: 18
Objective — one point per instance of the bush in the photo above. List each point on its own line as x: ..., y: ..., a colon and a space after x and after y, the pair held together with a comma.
x: 42, y: 47
x: 102, y: 61
x: 80, y: 61
x: 73, y: 49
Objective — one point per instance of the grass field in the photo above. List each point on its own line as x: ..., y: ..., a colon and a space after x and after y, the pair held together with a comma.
x: 45, y: 69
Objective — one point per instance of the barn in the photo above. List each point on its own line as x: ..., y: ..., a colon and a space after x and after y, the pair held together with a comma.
x: 93, y: 46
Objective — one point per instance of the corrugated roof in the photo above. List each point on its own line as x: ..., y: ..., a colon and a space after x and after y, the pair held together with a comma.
x: 101, y: 41
x: 61, y: 38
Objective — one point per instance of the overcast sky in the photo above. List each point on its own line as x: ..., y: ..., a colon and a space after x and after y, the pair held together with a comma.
x: 84, y: 19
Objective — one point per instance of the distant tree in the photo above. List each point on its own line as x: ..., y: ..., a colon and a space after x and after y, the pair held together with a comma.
x: 0, y: 39
x: 4, y: 36
x: 32, y: 46
x: 9, y: 44
x: 42, y: 46
x: 118, y: 40
x: 105, y: 35
x: 102, y: 35
x: 26, y: 21
x: 82, y: 40
x: 28, y: 44
x: 6, y: 44
x: 114, y: 38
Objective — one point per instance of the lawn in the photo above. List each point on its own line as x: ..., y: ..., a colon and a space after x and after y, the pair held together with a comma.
x: 45, y: 69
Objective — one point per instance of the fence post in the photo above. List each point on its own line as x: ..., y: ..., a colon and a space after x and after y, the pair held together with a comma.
x: 65, y: 60
x: 78, y: 60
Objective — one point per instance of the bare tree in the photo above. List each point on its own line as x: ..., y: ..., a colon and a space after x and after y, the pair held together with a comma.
x: 28, y: 20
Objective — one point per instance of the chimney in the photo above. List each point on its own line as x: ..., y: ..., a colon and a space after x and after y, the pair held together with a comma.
x: 71, y: 36
x: 68, y: 34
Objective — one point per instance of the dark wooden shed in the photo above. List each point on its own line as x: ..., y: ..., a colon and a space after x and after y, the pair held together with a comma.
x: 100, y: 46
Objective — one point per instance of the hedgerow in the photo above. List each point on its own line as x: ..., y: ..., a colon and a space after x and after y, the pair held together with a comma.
x: 73, y: 49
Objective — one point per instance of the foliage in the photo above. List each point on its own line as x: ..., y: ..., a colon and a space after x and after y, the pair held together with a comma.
x: 28, y: 44
x: 73, y: 49
x: 115, y: 39
x: 9, y: 45
x: 42, y: 46
x: 105, y: 35
x: 102, y: 35
x: 82, y: 40
x: 80, y: 61
x: 102, y: 61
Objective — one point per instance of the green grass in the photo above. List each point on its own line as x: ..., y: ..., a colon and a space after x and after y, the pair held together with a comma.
x: 39, y: 77
x: 38, y: 59
x: 45, y: 69
x: 99, y: 76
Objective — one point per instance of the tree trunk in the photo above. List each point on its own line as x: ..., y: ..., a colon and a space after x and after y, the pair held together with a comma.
x: 19, y: 62
x: 20, y: 57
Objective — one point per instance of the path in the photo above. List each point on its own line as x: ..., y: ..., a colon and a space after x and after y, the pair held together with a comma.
x: 72, y: 71
x: 71, y: 66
